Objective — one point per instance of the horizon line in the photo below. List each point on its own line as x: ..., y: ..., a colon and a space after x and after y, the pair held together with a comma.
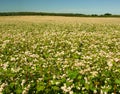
x: 57, y: 12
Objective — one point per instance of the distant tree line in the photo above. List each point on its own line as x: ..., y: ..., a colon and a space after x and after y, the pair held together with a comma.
x: 54, y: 14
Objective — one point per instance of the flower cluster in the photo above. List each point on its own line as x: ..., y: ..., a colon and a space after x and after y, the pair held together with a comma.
x: 54, y: 58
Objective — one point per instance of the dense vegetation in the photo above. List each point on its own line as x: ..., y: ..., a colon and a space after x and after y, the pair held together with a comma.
x: 55, y: 14
x: 54, y: 58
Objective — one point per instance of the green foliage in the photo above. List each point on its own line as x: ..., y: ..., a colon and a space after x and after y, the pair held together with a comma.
x: 53, y: 58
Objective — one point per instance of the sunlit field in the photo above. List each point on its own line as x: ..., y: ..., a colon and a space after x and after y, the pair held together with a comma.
x: 59, y: 55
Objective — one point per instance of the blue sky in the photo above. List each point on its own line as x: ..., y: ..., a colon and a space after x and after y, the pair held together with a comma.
x: 69, y: 6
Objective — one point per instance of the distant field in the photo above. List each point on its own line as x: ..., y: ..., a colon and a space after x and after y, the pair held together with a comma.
x: 59, y: 55
x: 39, y: 19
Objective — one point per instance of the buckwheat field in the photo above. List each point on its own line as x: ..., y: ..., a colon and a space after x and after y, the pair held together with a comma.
x: 59, y: 55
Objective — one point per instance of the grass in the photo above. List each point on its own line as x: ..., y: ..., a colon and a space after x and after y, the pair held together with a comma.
x: 59, y: 55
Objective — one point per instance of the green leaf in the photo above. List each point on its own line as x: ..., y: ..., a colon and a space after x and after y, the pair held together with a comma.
x: 68, y: 83
x: 12, y: 85
x: 40, y: 88
x: 117, y: 81
x: 87, y: 86
x: 55, y: 88
x: 72, y: 74
x: 18, y: 91
x: 75, y: 56
x: 92, y: 87
x: 79, y: 77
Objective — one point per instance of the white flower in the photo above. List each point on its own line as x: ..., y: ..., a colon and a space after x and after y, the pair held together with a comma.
x: 72, y: 50
x: 5, y: 65
x: 27, y: 53
x: 78, y: 88
x: 95, y: 91
x: 64, y: 88
x: 2, y: 87
x: 71, y: 92
x: 101, y: 91
x: 83, y: 88
x: 57, y: 83
x: 86, y: 80
x: 105, y: 92
x: 109, y: 64
x: 94, y: 73
x: 13, y: 59
x: 23, y: 81
x: 25, y: 91
x: 34, y: 55
x: 117, y: 60
x: 4, y: 43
